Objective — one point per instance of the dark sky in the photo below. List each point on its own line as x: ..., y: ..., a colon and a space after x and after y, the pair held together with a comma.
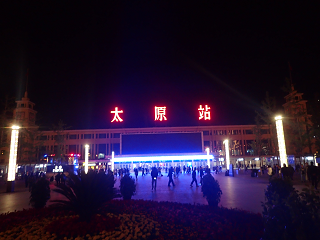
x: 85, y: 59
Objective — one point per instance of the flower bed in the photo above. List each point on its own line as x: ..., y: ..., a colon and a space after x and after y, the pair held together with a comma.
x: 135, y: 219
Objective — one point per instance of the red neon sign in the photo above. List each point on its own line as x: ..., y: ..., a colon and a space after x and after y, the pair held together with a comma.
x: 204, y: 113
x: 160, y: 113
x: 116, y: 116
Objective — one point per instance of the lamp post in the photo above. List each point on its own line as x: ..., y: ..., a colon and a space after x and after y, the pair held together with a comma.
x: 208, y: 157
x: 86, y: 158
x: 112, y: 161
x: 226, y: 146
x: 281, y: 141
x: 12, y: 158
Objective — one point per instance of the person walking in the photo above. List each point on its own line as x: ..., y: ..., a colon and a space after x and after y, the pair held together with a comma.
x: 136, y: 172
x: 312, y: 175
x: 142, y: 172
x: 154, y: 175
x: 201, y: 174
x: 170, y: 177
x: 194, y: 177
x: 269, y: 172
x: 303, y: 173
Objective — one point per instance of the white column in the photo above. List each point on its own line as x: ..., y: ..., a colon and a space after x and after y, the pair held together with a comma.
x: 86, y: 158
x: 112, y: 161
x: 226, y: 146
x: 281, y: 141
x: 208, y: 157
x: 12, y: 158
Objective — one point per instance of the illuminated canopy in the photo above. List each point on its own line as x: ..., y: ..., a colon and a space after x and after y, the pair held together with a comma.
x: 145, y: 158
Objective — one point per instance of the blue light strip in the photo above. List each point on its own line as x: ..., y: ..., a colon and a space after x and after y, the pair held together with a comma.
x: 163, y: 158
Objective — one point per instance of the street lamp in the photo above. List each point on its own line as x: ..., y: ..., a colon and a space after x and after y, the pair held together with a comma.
x: 208, y: 157
x: 226, y: 146
x: 281, y: 141
x: 13, y: 158
x: 86, y: 158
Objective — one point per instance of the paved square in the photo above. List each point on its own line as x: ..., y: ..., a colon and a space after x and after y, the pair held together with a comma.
x: 242, y: 191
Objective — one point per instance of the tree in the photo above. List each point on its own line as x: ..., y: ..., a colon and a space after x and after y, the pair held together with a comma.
x: 29, y: 145
x: 59, y: 140
x: 267, y: 115
x: 315, y: 119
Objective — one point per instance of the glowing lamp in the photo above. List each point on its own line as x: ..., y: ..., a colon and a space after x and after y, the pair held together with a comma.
x: 71, y: 154
x: 281, y: 141
x: 208, y: 159
x: 86, y: 157
x: 112, y: 161
x: 226, y: 146
x: 13, y: 158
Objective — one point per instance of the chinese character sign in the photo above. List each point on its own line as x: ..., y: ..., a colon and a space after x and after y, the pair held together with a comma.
x: 204, y: 113
x: 116, y: 117
x: 160, y: 113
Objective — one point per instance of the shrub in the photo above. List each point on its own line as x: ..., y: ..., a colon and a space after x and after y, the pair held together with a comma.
x: 288, y: 214
x: 86, y: 194
x: 40, y: 193
x: 211, y: 190
x: 127, y: 187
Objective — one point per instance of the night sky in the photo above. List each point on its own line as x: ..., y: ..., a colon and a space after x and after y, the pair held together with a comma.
x: 86, y: 59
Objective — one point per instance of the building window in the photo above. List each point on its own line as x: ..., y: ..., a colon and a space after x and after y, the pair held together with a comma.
x: 73, y: 136
x: 205, y: 133
x: 248, y: 131
x: 102, y: 135
x: 206, y: 144
x: 81, y: 136
x: 116, y: 135
x: 44, y: 137
x: 87, y: 136
x: 72, y: 148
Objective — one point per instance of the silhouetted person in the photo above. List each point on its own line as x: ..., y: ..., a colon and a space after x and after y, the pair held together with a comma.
x: 201, y: 175
x: 58, y: 179
x: 312, y: 172
x: 136, y: 172
x: 290, y: 171
x: 284, y: 171
x: 170, y: 177
x: 142, y: 172
x: 194, y: 177
x: 26, y: 179
x: 154, y: 175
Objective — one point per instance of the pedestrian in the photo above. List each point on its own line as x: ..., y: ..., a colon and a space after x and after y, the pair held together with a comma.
x: 184, y: 169
x: 312, y: 173
x: 170, y: 177
x: 201, y: 174
x: 142, y: 172
x: 269, y: 172
x: 136, y: 172
x: 57, y: 178
x: 154, y: 175
x: 290, y: 172
x: 194, y: 179
x: 303, y: 173
x: 285, y: 171
x: 26, y: 179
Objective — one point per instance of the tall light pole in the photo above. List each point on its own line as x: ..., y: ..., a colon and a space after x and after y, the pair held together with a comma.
x: 86, y: 158
x: 13, y: 158
x: 226, y: 146
x: 208, y: 157
x: 281, y: 141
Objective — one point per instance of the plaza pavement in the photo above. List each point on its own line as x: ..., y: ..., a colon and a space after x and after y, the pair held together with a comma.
x: 242, y: 191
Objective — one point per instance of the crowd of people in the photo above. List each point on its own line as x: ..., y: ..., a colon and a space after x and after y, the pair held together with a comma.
x: 308, y: 172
